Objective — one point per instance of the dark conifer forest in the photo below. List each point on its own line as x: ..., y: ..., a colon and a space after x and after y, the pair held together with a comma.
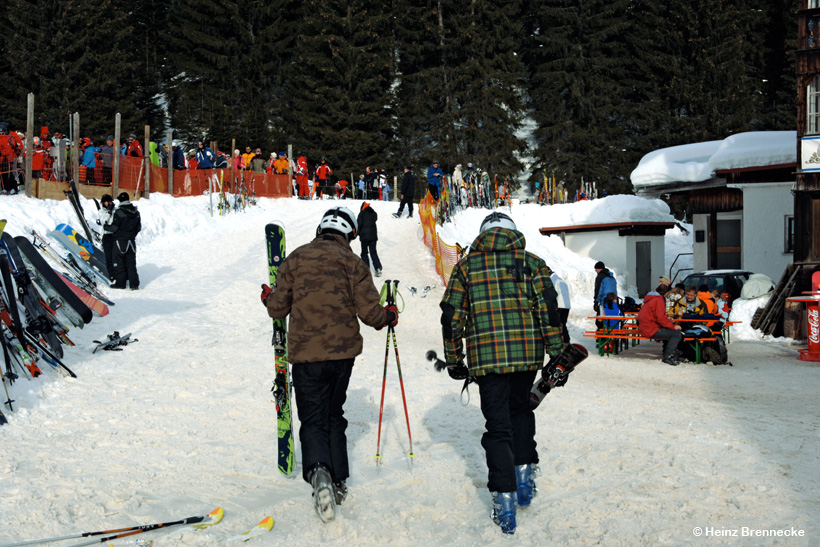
x: 570, y: 87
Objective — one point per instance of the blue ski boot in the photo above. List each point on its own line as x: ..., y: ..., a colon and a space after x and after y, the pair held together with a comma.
x: 504, y: 511
x: 525, y: 479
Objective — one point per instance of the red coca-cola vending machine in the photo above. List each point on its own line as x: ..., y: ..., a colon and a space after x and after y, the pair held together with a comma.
x: 812, y: 301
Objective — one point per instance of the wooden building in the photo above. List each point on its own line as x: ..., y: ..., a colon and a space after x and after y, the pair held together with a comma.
x: 807, y: 189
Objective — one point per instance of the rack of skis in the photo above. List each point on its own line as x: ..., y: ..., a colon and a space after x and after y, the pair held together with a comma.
x: 48, y: 284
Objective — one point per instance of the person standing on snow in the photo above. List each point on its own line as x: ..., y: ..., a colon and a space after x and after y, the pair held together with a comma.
x: 325, y: 289
x: 562, y: 289
x: 604, y: 284
x: 434, y: 176
x: 125, y: 225
x: 369, y: 236
x: 408, y: 191
x: 106, y: 216
x: 501, y: 300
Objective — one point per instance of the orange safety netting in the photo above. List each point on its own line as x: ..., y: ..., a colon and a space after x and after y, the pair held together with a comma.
x: 195, y: 182
x: 446, y: 255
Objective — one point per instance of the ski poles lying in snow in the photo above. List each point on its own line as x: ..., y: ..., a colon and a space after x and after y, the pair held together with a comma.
x: 390, y: 300
x: 206, y: 520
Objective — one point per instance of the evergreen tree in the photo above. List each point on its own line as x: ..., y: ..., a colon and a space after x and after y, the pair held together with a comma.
x: 582, y: 79
x: 716, y: 83
x: 338, y: 88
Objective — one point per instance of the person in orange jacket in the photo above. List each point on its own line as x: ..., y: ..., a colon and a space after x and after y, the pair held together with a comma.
x: 282, y: 164
x: 706, y: 297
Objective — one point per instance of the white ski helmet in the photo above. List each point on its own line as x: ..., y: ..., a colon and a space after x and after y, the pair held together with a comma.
x: 497, y: 220
x: 340, y: 220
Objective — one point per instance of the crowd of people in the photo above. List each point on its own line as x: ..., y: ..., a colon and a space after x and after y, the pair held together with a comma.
x: 668, y: 314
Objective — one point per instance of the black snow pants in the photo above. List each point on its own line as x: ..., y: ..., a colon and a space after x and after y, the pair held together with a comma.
x: 321, y: 390
x: 509, y: 439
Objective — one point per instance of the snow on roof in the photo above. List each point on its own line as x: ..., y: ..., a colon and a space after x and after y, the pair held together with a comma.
x: 699, y: 161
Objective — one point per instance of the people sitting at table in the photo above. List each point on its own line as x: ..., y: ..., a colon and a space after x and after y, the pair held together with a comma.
x: 653, y: 322
x: 689, y: 304
x: 611, y: 309
x: 674, y: 295
x: 722, y: 301
x: 706, y: 297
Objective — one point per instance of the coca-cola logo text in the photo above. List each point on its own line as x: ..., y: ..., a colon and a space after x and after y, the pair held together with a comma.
x: 814, y: 325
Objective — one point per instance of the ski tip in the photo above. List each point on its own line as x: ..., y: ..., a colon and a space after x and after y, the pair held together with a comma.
x: 266, y: 523
x: 216, y: 515
x: 212, y: 518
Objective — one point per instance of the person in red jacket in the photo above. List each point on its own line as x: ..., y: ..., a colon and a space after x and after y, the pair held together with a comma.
x: 323, y: 172
x: 302, y: 176
x: 10, y: 148
x: 134, y: 147
x: 654, y: 323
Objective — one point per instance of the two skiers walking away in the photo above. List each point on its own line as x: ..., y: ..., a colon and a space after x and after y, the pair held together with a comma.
x: 501, y: 300
x: 124, y: 227
x: 326, y: 289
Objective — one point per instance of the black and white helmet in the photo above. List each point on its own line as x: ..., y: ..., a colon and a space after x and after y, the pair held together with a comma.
x: 497, y: 220
x: 340, y: 220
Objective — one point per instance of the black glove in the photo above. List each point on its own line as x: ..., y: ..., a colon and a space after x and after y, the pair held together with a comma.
x: 265, y: 294
x: 392, y: 315
x: 458, y: 371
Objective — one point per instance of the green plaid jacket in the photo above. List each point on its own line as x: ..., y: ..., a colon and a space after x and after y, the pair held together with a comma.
x: 501, y: 300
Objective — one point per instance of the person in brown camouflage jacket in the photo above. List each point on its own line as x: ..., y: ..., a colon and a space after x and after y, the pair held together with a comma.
x: 325, y: 289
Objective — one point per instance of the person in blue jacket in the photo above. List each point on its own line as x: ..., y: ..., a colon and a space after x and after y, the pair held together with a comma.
x: 604, y: 284
x: 204, y: 157
x: 178, y: 157
x: 434, y: 176
x: 89, y: 160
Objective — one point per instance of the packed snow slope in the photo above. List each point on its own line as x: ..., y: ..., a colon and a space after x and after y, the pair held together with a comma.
x: 633, y: 452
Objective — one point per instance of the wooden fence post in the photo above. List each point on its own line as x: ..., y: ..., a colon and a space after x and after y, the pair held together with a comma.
x: 147, y: 192
x: 29, y: 142
x: 168, y: 140
x: 75, y: 150
x: 290, y: 171
x: 115, y: 174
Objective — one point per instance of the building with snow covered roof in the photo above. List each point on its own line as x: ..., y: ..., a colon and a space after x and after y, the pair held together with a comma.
x: 739, y: 194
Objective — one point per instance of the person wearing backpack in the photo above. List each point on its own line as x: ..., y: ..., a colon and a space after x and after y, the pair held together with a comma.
x: 500, y: 300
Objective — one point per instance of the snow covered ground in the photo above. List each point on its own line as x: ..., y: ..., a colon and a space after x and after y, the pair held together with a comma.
x: 633, y: 452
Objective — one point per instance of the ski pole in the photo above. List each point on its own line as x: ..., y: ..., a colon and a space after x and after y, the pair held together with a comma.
x: 403, y: 398
x: 216, y: 514
x: 386, y: 292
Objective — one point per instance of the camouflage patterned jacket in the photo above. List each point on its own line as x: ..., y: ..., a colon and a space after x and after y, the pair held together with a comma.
x: 501, y: 300
x: 325, y: 288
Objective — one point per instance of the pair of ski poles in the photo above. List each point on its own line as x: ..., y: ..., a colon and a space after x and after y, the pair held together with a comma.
x: 390, y: 300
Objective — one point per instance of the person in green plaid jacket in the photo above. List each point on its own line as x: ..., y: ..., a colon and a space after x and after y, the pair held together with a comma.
x: 501, y: 301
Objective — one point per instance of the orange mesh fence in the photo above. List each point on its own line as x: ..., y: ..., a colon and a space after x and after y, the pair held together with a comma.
x: 446, y: 255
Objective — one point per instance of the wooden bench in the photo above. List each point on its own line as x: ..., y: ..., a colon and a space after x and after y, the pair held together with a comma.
x: 609, y: 343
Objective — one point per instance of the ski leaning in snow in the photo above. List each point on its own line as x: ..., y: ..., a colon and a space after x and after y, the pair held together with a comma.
x: 275, y: 240
x: 266, y: 525
x: 66, y: 295
x: 203, y: 522
x: 114, y: 342
x: 84, y: 249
